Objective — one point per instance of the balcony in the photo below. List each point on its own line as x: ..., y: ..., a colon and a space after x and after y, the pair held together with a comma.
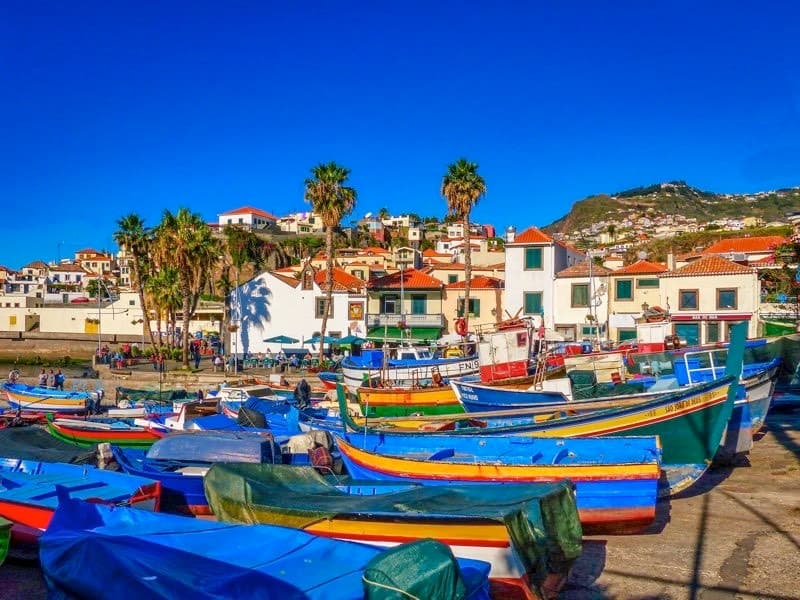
x: 393, y: 320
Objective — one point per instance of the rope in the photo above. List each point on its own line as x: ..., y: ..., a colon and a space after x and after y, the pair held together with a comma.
x: 389, y: 587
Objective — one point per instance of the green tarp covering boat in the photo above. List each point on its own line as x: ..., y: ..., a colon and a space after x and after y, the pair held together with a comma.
x: 526, y: 531
x: 5, y: 535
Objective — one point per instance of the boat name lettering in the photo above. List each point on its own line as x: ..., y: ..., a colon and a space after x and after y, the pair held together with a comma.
x: 689, y: 402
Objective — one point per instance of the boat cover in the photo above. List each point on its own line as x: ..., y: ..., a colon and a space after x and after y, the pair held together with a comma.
x: 34, y: 443
x: 542, y: 519
x: 5, y: 535
x: 94, y: 551
x: 216, y: 446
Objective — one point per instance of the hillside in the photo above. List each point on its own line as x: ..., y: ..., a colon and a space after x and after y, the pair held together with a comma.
x: 674, y: 198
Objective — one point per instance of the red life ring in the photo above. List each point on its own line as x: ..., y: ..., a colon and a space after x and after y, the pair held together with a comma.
x: 461, y: 326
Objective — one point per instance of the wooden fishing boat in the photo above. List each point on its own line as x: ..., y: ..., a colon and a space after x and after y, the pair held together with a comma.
x: 88, y: 433
x: 616, y: 480
x: 5, y: 537
x: 408, y: 366
x: 40, y: 399
x: 30, y: 491
x: 689, y: 422
x: 499, y: 525
x: 404, y: 401
x: 137, y: 555
x: 180, y: 460
x: 277, y: 386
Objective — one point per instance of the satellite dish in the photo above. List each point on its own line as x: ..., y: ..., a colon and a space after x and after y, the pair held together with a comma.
x: 368, y: 215
x: 641, y: 254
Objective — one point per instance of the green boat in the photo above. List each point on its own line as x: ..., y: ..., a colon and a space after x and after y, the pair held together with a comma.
x: 529, y: 533
x: 5, y: 536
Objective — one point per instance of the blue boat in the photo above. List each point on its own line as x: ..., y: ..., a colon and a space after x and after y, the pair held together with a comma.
x: 409, y: 366
x: 31, y: 490
x: 180, y: 460
x: 33, y: 398
x: 616, y: 479
x: 92, y: 551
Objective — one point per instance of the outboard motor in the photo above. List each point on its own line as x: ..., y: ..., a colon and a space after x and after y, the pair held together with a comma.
x: 302, y: 394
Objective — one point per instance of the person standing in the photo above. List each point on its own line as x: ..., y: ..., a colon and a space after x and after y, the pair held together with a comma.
x: 196, y: 356
x: 43, y: 378
x: 60, y: 380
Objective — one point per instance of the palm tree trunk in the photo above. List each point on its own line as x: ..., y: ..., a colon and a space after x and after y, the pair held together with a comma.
x: 329, y: 283
x: 467, y: 267
x: 137, y: 268
x: 187, y: 307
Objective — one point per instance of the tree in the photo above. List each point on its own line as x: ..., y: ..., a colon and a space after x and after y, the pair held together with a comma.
x: 135, y: 238
x: 383, y: 213
x: 462, y: 187
x: 184, y: 241
x: 332, y: 200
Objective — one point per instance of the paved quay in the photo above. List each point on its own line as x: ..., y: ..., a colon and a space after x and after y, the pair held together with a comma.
x: 738, y: 537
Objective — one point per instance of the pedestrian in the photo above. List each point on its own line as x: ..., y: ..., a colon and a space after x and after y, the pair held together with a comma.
x: 60, y: 380
x: 43, y: 379
x: 196, y: 357
x: 154, y: 360
x: 199, y: 395
x: 51, y: 380
x: 217, y: 362
x: 161, y: 366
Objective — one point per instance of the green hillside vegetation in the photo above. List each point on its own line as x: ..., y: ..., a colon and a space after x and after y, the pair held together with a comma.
x: 676, y: 198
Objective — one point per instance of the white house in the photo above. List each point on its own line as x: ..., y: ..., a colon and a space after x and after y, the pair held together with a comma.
x: 532, y: 260
x: 706, y: 295
x: 301, y: 222
x: 247, y: 216
x: 581, y: 310
x: 274, y: 304
x: 121, y: 317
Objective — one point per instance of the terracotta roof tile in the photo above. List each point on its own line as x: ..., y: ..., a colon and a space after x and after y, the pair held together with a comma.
x: 766, y: 261
x: 641, y: 267
x: 36, y: 264
x: 710, y: 265
x: 249, y: 210
x: 431, y: 252
x: 68, y: 268
x: 582, y: 270
x: 481, y: 282
x: 375, y: 250
x: 88, y: 251
x: 342, y: 280
x: 412, y: 280
x: 746, y: 244
x: 449, y: 266
x: 532, y: 235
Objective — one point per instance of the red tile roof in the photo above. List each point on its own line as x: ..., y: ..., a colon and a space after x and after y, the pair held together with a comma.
x: 448, y: 266
x: 641, y: 267
x: 710, y: 265
x: 582, y: 270
x: 481, y: 282
x: 249, y: 210
x: 412, y: 280
x: 36, y: 264
x: 532, y: 235
x: 431, y: 252
x: 746, y: 244
x: 68, y: 268
x: 88, y: 251
x: 375, y: 250
x: 766, y: 261
x: 342, y: 281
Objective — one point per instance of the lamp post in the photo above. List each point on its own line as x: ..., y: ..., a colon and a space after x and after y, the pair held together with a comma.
x: 99, y: 320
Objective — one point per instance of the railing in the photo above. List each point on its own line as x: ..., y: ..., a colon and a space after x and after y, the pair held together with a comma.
x: 393, y: 320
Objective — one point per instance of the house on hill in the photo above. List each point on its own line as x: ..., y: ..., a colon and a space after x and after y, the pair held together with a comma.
x: 632, y: 288
x: 747, y: 250
x: 248, y: 217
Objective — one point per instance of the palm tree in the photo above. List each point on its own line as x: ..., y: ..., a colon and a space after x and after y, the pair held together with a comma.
x: 332, y: 200
x: 185, y: 242
x: 135, y: 238
x: 462, y: 187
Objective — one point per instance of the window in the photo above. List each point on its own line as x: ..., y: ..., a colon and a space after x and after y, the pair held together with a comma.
x: 688, y: 300
x: 647, y: 283
x: 533, y: 258
x: 623, y: 289
x: 712, y: 332
x: 532, y: 303
x: 588, y: 330
x: 474, y: 307
x: 580, y: 295
x: 626, y: 334
x: 419, y: 304
x: 320, y: 308
x: 390, y: 305
x: 452, y: 278
x: 359, y: 274
x: 131, y: 302
x: 726, y: 298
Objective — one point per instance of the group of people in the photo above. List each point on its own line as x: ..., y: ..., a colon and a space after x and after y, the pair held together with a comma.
x: 54, y: 381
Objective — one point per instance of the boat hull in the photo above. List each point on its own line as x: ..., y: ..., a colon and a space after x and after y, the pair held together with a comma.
x: 31, y: 398
x: 135, y: 437
x: 407, y: 375
x: 401, y: 402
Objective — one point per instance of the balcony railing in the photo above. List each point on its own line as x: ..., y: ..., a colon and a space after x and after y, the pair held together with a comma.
x: 392, y: 320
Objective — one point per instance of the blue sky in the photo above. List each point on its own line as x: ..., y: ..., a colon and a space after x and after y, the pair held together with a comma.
x: 115, y: 107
